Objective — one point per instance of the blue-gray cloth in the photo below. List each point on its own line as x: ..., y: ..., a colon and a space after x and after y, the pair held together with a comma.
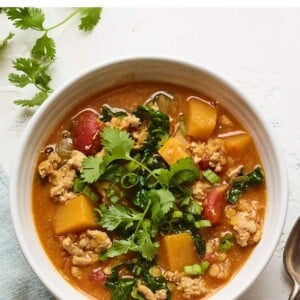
x: 17, y: 280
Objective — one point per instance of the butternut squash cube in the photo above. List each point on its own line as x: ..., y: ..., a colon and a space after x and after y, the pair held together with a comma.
x: 172, y: 150
x: 177, y: 251
x: 237, y: 144
x: 201, y: 119
x: 75, y: 215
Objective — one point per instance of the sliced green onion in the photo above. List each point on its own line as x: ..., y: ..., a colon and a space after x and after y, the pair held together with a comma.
x: 226, y: 243
x: 202, y: 224
x: 129, y: 180
x: 190, y: 218
x: 87, y: 191
x: 196, y: 269
x: 188, y: 270
x: 204, y: 265
x: 177, y: 214
x: 114, y: 193
x: 81, y: 187
x: 155, y: 271
x: 185, y: 201
x: 132, y: 166
x: 195, y: 208
x: 181, y: 124
x: 137, y: 270
x: 211, y: 176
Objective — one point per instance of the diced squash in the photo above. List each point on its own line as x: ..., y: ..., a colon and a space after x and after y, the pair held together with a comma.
x: 172, y: 150
x: 177, y: 251
x: 75, y: 215
x: 237, y: 144
x: 201, y: 119
x: 182, y: 140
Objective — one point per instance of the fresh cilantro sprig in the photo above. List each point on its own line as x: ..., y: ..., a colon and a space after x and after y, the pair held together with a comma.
x: 27, y: 17
x: 5, y: 41
x: 160, y: 203
x: 117, y: 145
x: 119, y: 216
x: 34, y: 18
x: 35, y: 69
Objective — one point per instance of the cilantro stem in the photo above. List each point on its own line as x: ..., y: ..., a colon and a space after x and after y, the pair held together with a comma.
x: 76, y: 11
x: 142, y: 218
x: 144, y: 167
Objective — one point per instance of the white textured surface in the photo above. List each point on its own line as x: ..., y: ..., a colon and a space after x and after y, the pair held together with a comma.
x: 259, y: 49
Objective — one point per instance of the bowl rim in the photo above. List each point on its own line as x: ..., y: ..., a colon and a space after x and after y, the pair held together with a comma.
x: 219, y: 76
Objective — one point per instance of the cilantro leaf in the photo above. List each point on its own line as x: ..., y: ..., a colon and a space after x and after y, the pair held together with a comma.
x: 81, y: 187
x: 34, y: 70
x: 27, y: 65
x: 44, y: 48
x: 118, y: 247
x: 38, y: 99
x: 5, y: 41
x: 90, y: 16
x: 163, y: 176
x: 26, y: 17
x: 119, y: 216
x: 116, y: 142
x: 162, y: 202
x: 143, y: 244
x: 19, y: 80
x: 146, y: 247
x: 184, y: 170
x: 92, y: 169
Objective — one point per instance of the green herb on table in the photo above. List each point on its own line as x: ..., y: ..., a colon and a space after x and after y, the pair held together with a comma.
x: 4, y: 42
x: 35, y: 70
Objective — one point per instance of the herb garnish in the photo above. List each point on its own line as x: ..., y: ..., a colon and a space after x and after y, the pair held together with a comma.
x: 5, y: 41
x: 35, y: 69
x: 151, y: 190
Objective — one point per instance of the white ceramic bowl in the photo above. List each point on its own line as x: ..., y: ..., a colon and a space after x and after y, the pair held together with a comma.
x: 114, y: 73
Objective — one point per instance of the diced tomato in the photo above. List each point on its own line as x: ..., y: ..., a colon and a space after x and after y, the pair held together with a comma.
x: 214, y: 204
x: 86, y: 132
x: 98, y: 276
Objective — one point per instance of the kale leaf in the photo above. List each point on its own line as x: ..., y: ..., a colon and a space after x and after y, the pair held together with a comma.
x: 139, y: 270
x: 120, y: 287
x: 108, y: 113
x: 243, y: 182
x: 159, y: 126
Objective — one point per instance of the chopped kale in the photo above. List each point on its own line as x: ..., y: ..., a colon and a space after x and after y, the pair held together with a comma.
x: 243, y: 182
x: 159, y: 126
x: 122, y: 286
x: 108, y: 113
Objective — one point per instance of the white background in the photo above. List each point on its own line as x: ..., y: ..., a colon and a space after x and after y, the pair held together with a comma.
x: 259, y: 49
